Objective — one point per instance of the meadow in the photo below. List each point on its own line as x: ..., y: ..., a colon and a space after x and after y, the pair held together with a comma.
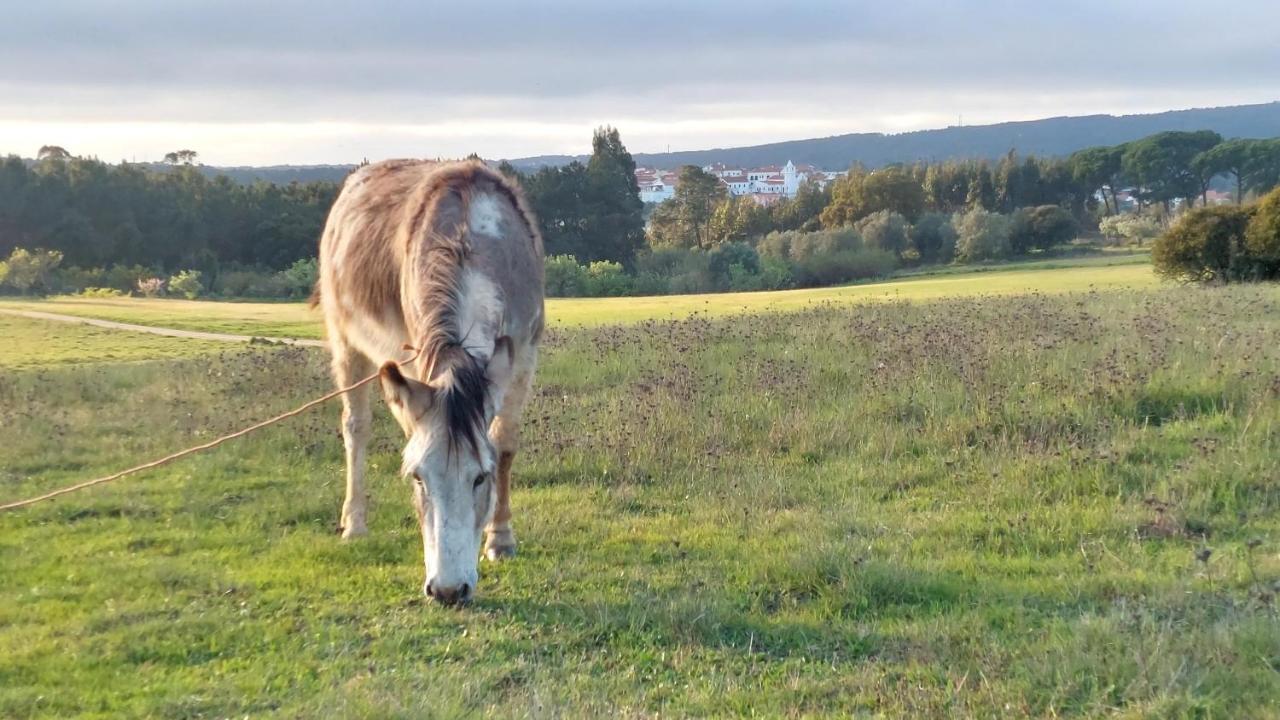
x: 936, y: 501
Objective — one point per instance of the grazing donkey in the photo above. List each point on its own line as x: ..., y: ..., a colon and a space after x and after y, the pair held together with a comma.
x: 445, y: 257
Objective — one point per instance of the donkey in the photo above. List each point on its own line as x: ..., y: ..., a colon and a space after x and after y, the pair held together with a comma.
x: 447, y: 258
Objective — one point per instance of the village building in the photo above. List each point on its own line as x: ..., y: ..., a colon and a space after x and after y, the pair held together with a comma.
x: 765, y: 185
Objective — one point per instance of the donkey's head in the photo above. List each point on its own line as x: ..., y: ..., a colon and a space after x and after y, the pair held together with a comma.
x: 451, y: 459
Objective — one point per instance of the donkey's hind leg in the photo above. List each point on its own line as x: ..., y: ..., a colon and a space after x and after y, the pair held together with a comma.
x: 500, y: 540
x: 351, y: 366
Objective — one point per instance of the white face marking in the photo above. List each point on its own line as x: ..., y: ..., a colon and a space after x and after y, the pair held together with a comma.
x: 485, y: 216
x: 452, y: 508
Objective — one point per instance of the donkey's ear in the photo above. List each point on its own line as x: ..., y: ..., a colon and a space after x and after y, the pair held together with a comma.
x: 407, y: 398
x: 501, y: 364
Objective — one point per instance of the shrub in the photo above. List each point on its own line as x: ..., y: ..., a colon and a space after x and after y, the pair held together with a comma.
x: 844, y: 266
x: 1262, y: 237
x: 1205, y: 244
x: 564, y: 276
x: 981, y: 235
x: 151, y: 287
x: 300, y: 277
x: 125, y: 277
x: 934, y: 238
x: 1129, y: 227
x: 775, y: 274
x: 29, y: 270
x: 683, y: 270
x: 100, y: 292
x: 607, y: 279
x: 251, y: 284
x: 730, y: 264
x: 187, y: 284
x: 884, y: 230
x: 1040, y: 228
x: 824, y: 243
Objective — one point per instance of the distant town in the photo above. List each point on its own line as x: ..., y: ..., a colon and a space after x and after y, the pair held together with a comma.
x: 765, y: 185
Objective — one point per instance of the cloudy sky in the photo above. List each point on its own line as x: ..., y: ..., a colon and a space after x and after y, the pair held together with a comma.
x: 320, y: 81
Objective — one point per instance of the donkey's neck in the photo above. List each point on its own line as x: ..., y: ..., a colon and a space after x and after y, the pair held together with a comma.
x: 456, y: 314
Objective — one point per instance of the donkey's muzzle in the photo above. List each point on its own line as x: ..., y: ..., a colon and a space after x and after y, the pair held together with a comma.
x: 458, y: 595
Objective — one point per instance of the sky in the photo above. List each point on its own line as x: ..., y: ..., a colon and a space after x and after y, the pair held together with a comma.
x: 261, y: 82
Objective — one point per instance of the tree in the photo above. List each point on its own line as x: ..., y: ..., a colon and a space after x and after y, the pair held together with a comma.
x: 1041, y: 228
x: 181, y: 157
x: 884, y: 230
x: 982, y: 191
x: 1096, y: 169
x: 801, y: 212
x: 981, y: 235
x: 187, y: 284
x: 1227, y: 158
x: 858, y: 195
x: 53, y: 152
x: 30, y: 270
x: 696, y: 196
x: 558, y: 196
x: 1162, y: 165
x: 934, y: 238
x: 614, y: 223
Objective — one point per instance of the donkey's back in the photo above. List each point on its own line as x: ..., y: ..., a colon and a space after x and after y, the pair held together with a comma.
x: 403, y: 234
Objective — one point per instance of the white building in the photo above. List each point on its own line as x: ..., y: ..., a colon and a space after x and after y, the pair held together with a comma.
x: 765, y: 184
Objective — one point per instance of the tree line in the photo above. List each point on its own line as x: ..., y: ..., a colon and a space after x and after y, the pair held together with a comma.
x: 249, y: 239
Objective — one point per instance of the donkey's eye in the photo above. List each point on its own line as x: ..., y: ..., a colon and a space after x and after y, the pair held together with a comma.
x: 480, y: 480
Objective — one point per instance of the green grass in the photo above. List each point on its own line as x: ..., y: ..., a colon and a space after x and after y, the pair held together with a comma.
x: 38, y: 343
x: 974, y: 507
x: 296, y: 320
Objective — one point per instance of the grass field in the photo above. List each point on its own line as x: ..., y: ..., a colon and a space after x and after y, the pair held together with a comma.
x: 296, y: 320
x: 1050, y: 505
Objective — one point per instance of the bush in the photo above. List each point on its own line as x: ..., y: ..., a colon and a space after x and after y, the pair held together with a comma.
x: 934, y: 238
x: 250, y: 284
x: 151, y: 287
x: 29, y: 270
x: 1262, y: 237
x: 844, y: 266
x: 300, y: 277
x: 187, y: 284
x: 100, y: 292
x: 775, y: 274
x: 564, y: 276
x: 607, y: 279
x: 125, y: 277
x: 981, y: 235
x: 884, y: 230
x: 730, y: 265
x: 1205, y: 244
x: 1040, y: 228
x: 681, y: 270
x: 1129, y: 227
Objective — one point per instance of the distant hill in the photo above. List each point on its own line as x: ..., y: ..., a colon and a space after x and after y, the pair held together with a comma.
x: 1050, y: 136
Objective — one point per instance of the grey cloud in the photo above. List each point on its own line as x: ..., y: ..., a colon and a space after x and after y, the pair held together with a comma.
x: 401, y: 62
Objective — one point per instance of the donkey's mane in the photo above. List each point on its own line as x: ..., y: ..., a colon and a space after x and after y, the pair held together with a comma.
x: 437, y: 253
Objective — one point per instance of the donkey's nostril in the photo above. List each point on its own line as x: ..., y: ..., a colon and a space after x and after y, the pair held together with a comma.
x: 450, y: 596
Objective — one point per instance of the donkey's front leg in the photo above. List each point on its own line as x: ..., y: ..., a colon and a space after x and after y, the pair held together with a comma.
x: 500, y: 540
x: 349, y: 367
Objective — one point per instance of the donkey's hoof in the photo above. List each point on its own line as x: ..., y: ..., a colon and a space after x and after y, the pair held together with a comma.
x: 499, y: 552
x: 352, y: 532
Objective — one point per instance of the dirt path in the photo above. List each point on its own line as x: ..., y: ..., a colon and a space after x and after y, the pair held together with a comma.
x: 168, y: 332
